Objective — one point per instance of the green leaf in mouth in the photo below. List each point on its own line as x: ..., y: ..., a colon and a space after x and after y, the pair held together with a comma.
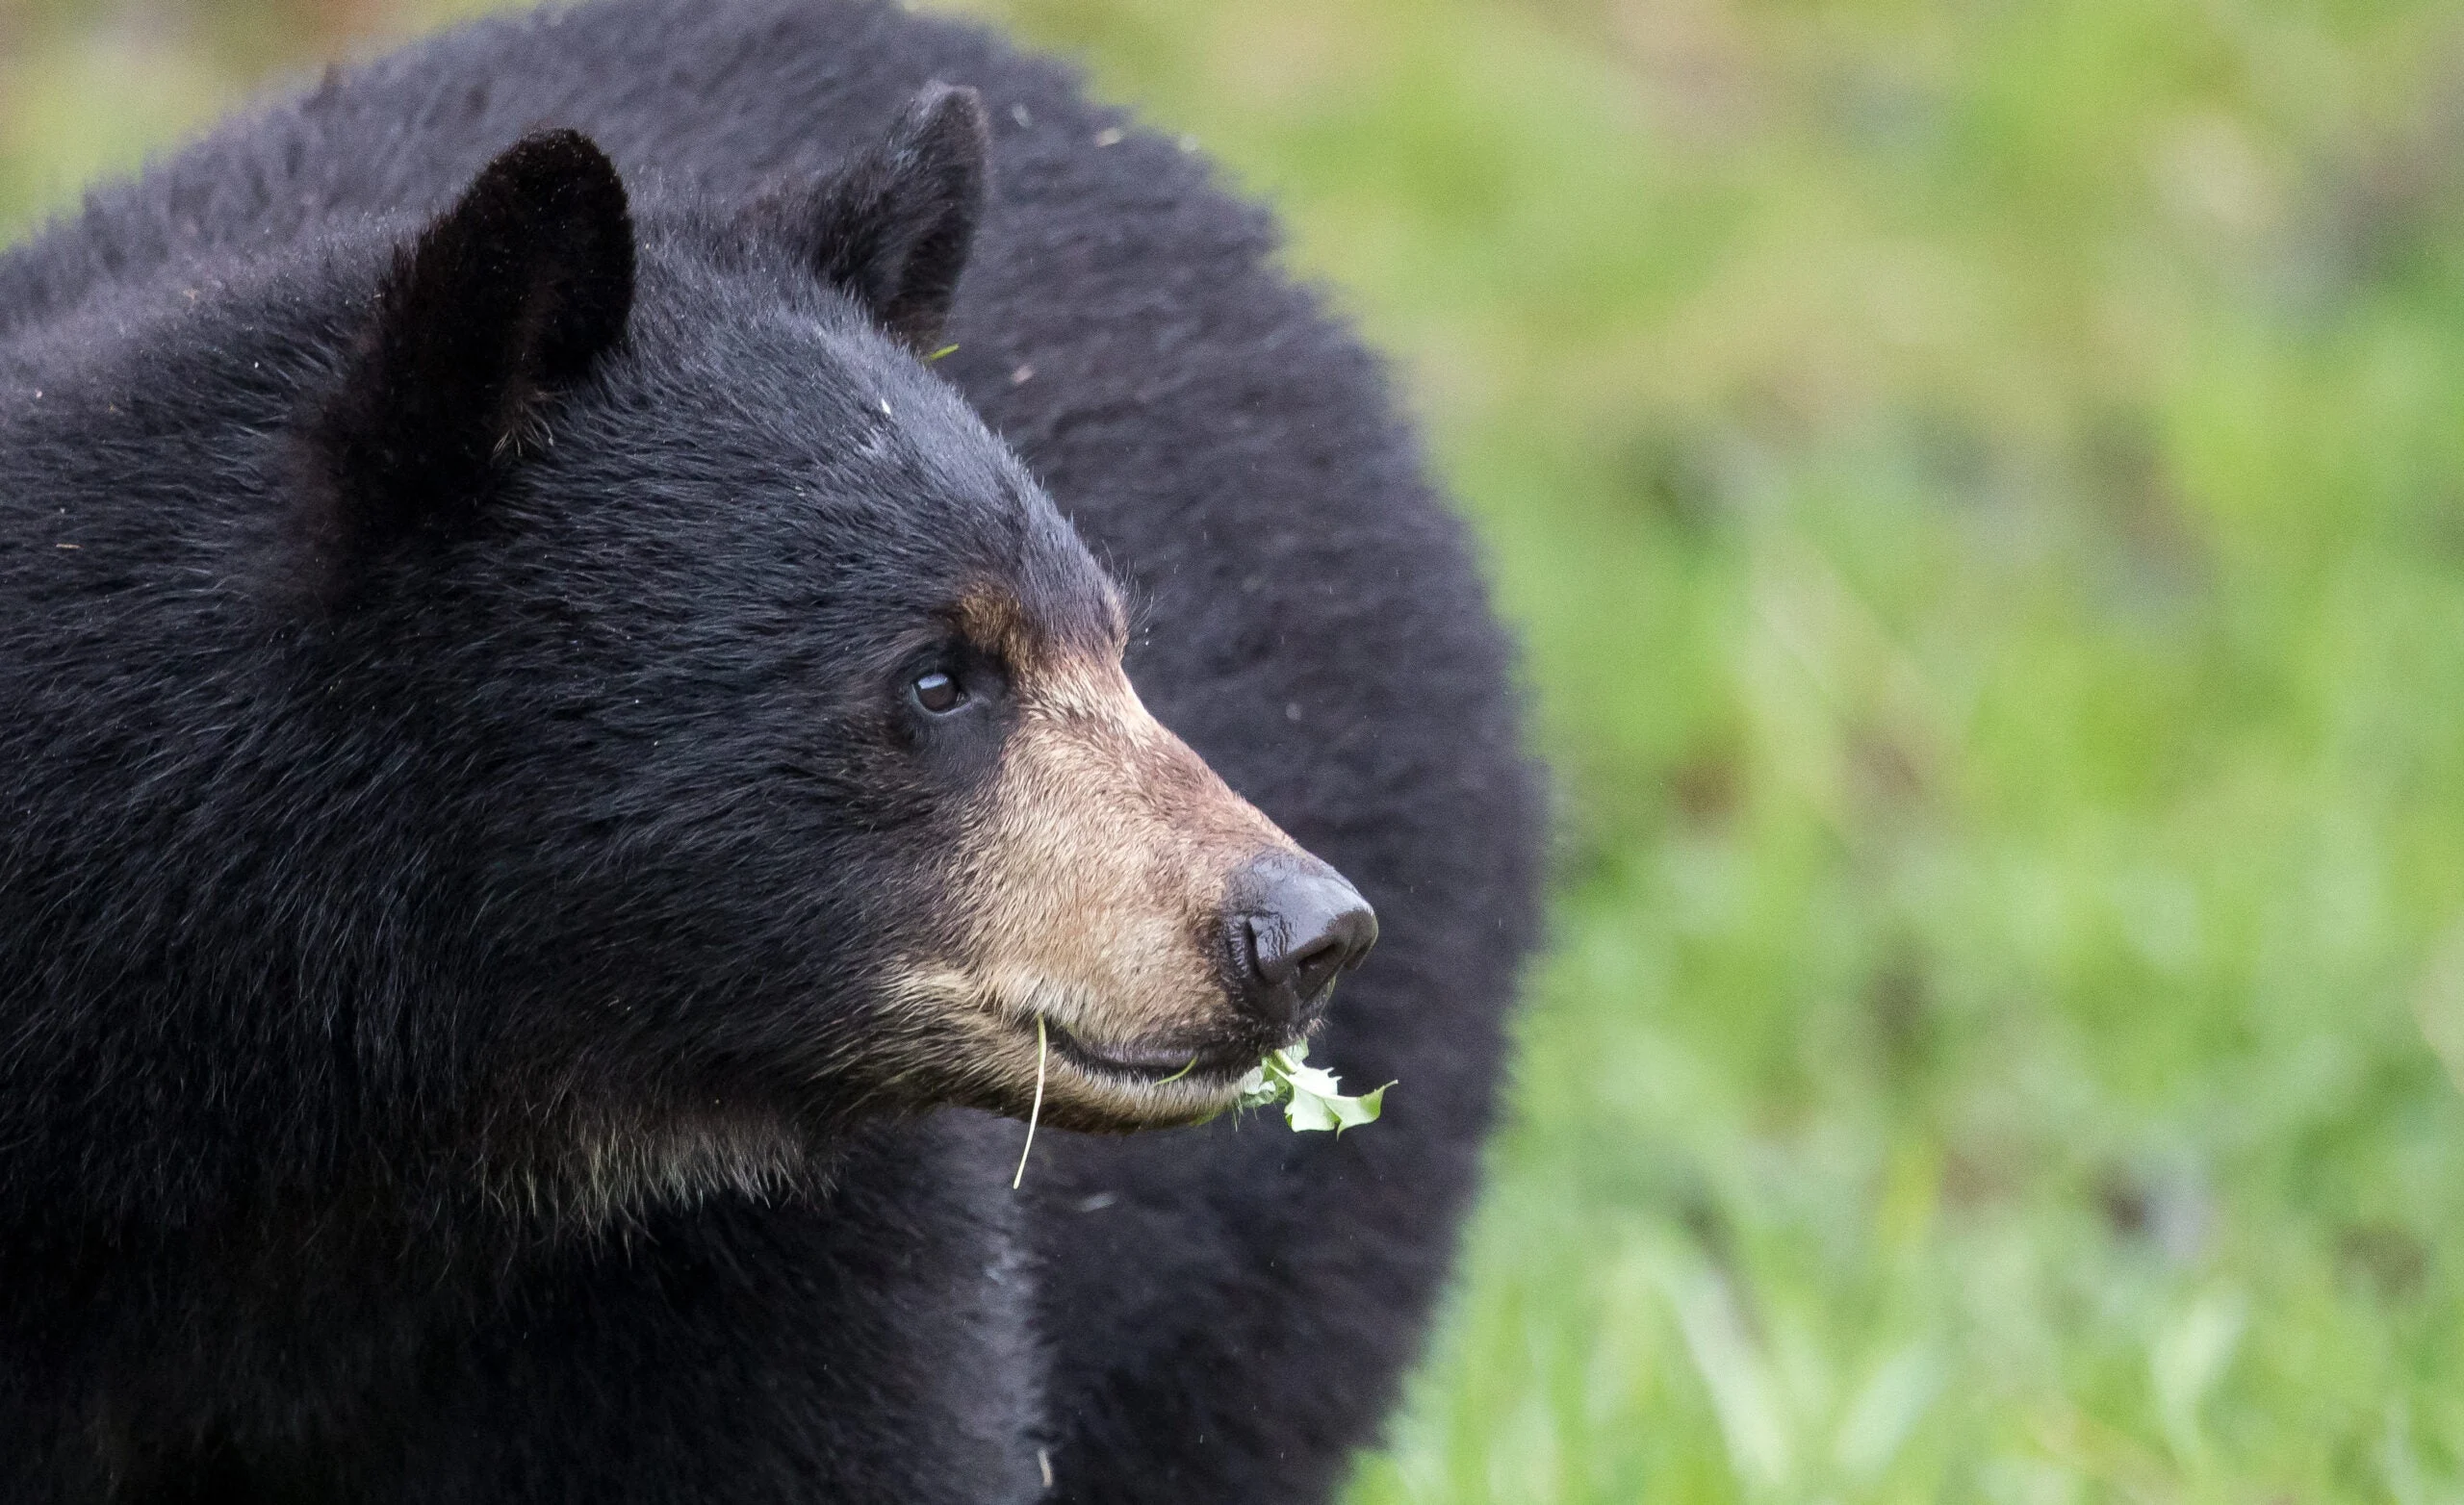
x: 1312, y: 1099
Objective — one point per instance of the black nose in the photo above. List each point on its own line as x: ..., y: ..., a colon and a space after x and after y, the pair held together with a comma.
x: 1296, y: 925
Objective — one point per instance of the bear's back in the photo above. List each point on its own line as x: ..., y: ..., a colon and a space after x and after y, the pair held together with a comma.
x: 713, y: 100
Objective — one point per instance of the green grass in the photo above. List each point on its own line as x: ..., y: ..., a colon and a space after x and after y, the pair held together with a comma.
x: 1981, y: 486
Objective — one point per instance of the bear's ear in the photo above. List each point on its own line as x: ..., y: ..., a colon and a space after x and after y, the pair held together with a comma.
x: 892, y: 228
x: 508, y: 295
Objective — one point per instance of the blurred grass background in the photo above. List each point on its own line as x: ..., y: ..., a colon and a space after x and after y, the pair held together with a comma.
x: 1982, y: 484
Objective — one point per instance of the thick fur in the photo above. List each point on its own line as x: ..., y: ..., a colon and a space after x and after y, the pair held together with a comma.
x: 211, y: 1287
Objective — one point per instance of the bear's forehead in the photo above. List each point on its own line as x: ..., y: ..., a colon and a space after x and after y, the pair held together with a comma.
x: 900, y: 454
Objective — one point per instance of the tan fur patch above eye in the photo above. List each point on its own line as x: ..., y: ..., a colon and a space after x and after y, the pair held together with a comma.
x: 992, y: 618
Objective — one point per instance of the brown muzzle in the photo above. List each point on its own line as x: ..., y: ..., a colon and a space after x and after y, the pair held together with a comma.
x: 1164, y: 934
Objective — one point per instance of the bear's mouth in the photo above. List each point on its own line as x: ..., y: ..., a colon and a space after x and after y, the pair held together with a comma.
x: 1204, y: 1062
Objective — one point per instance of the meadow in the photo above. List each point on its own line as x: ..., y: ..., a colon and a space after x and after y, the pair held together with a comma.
x: 1981, y: 487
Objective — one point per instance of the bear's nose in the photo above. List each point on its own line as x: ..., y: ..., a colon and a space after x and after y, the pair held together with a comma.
x: 1296, y: 925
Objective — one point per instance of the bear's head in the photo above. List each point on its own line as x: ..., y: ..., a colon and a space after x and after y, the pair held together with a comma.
x: 761, y: 720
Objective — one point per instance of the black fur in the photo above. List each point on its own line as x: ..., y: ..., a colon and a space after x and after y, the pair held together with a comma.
x: 350, y: 859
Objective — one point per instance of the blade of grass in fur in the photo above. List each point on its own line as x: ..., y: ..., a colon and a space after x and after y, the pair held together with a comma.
x: 1035, y: 1113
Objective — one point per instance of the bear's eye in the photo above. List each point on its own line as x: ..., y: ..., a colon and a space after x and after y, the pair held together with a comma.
x: 937, y: 693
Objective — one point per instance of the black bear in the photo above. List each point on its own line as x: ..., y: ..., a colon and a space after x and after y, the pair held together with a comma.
x: 569, y: 602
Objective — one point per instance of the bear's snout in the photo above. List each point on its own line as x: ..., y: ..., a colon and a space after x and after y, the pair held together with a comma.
x: 1129, y: 910
x: 1295, y: 927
